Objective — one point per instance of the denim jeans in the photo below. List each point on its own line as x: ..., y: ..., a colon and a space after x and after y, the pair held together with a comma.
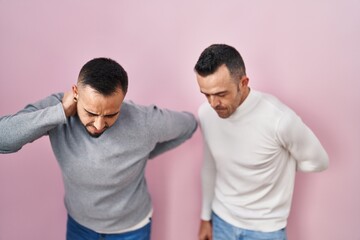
x: 224, y: 231
x: 75, y: 231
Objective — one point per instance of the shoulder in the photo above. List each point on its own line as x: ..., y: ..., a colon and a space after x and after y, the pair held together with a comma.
x: 205, y: 110
x: 146, y: 113
x: 54, y: 98
x: 129, y: 107
x: 284, y: 116
x: 48, y: 101
x: 208, y: 117
x: 273, y: 103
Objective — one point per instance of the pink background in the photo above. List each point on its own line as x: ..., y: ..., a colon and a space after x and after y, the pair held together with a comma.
x: 306, y: 53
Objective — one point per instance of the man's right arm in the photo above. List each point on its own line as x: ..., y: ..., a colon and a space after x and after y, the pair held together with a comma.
x: 208, y: 174
x: 31, y: 123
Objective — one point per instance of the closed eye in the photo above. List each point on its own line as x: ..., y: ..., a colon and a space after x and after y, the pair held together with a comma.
x: 221, y: 94
x: 91, y: 114
x: 111, y: 115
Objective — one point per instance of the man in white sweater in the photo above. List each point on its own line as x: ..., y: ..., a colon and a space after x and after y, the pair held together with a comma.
x: 253, y: 145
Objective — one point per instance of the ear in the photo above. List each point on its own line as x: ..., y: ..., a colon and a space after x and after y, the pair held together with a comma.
x: 244, y: 81
x: 75, y: 91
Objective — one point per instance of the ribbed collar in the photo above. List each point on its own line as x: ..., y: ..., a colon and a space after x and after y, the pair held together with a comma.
x: 247, y: 105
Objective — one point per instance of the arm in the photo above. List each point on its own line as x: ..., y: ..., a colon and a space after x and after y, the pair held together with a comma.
x: 31, y: 123
x: 170, y: 128
x: 208, y: 174
x: 302, y: 144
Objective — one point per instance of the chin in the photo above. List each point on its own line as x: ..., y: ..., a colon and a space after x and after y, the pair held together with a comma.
x: 223, y: 115
x: 95, y: 135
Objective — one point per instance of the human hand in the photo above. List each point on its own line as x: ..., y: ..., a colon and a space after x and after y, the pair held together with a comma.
x: 69, y: 103
x: 205, y: 232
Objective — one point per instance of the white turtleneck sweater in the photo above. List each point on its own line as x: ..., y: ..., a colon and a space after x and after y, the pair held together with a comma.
x: 250, y: 160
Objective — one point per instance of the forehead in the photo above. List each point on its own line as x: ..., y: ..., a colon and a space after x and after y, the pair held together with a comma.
x: 219, y: 81
x: 95, y: 102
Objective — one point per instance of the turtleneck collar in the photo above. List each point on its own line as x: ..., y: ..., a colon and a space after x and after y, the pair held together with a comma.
x: 247, y: 105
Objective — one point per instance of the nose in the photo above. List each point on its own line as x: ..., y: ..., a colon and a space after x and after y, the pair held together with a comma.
x: 214, y: 101
x: 99, y: 123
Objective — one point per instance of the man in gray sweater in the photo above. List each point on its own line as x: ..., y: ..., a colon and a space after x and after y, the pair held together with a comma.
x: 102, y: 144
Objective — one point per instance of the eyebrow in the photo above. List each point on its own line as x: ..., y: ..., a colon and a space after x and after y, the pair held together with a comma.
x: 107, y: 115
x: 217, y: 93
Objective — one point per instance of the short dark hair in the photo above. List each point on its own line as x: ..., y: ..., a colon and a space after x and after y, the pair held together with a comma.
x: 104, y: 75
x: 218, y: 54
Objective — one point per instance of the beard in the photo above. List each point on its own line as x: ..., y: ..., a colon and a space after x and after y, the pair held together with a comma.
x: 222, y: 112
x: 95, y: 135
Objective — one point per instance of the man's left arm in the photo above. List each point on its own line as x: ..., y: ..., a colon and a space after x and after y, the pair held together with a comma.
x: 171, y: 128
x: 302, y: 144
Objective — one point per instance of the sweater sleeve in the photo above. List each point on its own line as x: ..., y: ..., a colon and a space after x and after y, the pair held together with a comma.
x: 302, y: 144
x: 31, y: 123
x: 170, y: 129
x: 208, y: 175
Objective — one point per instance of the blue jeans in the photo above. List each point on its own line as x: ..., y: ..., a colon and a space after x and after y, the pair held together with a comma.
x: 75, y: 231
x: 224, y: 231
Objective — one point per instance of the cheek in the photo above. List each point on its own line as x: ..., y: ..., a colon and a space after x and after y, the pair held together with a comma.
x: 110, y: 122
x: 85, y: 119
x: 227, y: 101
